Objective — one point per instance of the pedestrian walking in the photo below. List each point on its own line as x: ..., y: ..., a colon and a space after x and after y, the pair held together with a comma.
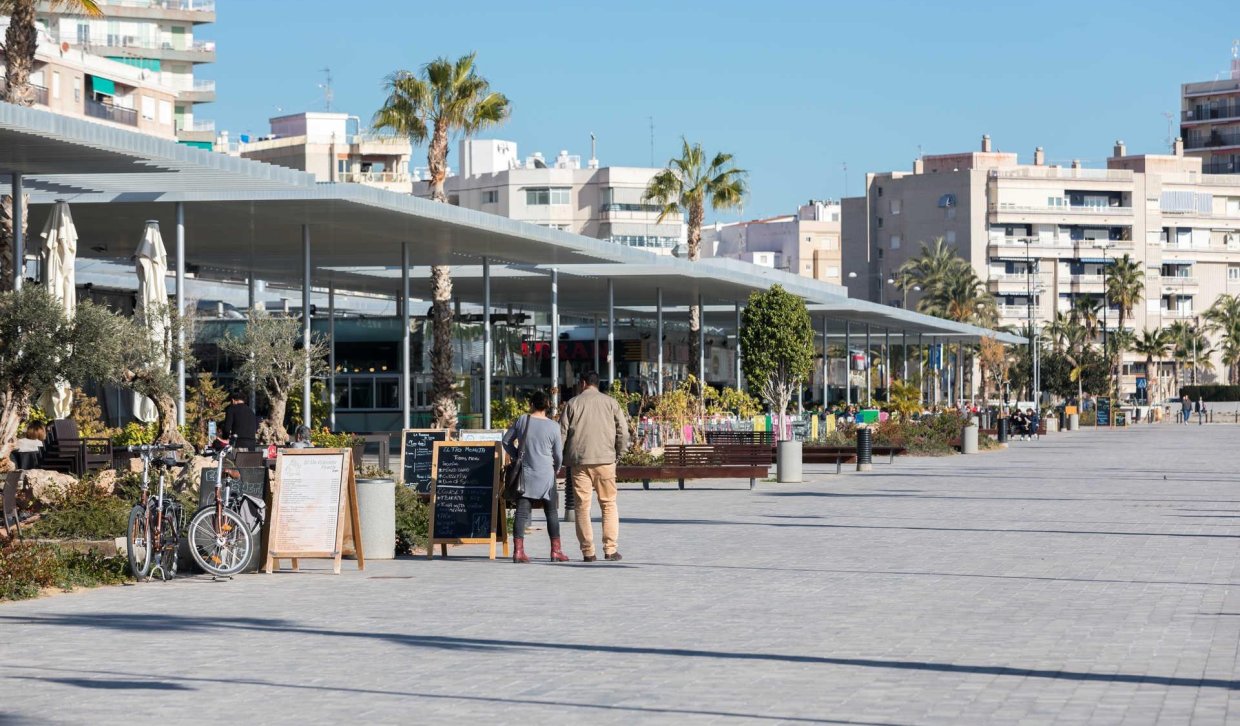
x: 596, y: 432
x: 1186, y: 409
x: 1201, y: 410
x: 536, y: 440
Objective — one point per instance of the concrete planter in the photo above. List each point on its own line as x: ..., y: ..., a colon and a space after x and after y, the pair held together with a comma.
x: 788, y: 462
x: 1052, y: 425
x: 1074, y: 421
x: 376, y: 507
x: 968, y: 438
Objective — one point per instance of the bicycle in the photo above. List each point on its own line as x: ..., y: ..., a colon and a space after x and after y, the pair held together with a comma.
x: 154, y: 522
x: 219, y: 538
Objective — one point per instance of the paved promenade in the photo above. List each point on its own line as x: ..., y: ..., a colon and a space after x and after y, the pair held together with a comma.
x: 1089, y: 577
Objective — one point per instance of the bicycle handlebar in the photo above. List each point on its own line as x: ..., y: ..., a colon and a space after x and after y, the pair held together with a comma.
x: 152, y: 448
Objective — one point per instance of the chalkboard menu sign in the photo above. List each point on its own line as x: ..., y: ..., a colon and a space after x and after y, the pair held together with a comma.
x: 416, y: 456
x: 464, y: 494
x: 1104, y: 411
x: 481, y: 435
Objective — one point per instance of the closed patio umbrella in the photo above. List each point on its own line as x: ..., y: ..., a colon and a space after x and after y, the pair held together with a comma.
x: 58, y: 255
x: 151, y: 260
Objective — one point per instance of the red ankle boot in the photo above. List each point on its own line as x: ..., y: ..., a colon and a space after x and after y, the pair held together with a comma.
x: 557, y: 554
x: 518, y: 550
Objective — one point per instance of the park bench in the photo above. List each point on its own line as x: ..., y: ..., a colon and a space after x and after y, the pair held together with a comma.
x: 704, y: 461
x: 825, y: 452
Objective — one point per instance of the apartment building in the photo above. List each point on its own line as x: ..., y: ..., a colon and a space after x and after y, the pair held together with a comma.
x: 601, y: 202
x: 323, y: 144
x: 806, y: 243
x: 1040, y: 235
x: 157, y: 37
x: 73, y: 82
x: 1210, y: 120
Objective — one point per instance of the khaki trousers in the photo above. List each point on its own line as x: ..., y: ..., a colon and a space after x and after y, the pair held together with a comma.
x: 597, y: 479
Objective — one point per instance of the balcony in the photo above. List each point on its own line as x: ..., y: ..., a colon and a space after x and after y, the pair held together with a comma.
x: 1206, y: 114
x: 200, y: 91
x: 1220, y: 166
x: 1214, y: 139
x: 1002, y: 207
x: 110, y: 112
x: 1178, y: 314
x: 1176, y: 282
x: 38, y: 93
x: 376, y: 177
x: 1011, y: 282
x: 1052, y: 172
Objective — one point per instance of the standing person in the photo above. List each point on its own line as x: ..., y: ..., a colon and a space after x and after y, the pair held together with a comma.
x: 1035, y: 422
x: 595, y: 432
x: 240, y: 423
x: 1201, y: 409
x: 536, y: 439
x: 1186, y: 409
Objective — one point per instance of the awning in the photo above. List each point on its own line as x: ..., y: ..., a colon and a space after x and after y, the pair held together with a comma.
x: 1098, y: 260
x: 1179, y: 262
x: 102, y: 85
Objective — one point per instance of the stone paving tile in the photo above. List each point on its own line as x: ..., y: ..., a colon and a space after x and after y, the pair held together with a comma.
x: 1085, y: 578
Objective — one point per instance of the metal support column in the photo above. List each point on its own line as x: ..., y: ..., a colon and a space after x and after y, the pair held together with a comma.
x: 826, y: 367
x: 739, y: 372
x: 869, y: 395
x: 251, y: 301
x: 659, y: 337
x: 487, y: 363
x: 406, y: 341
x: 181, y: 300
x: 555, y: 340
x: 597, y: 347
x: 847, y: 363
x: 887, y: 364
x: 921, y: 368
x: 305, y: 322
x: 611, y: 334
x: 701, y: 345
x: 331, y: 355
x: 19, y: 236
x: 904, y: 350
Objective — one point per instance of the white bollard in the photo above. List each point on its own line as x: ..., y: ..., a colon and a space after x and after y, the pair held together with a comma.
x: 376, y: 506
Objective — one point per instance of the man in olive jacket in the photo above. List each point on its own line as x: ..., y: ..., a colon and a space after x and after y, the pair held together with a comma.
x: 596, y: 432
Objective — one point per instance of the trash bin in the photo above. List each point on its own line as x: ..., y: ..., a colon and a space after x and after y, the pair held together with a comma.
x: 376, y: 510
x: 968, y: 437
x: 1002, y: 430
x: 1074, y: 421
x: 865, y: 449
x: 788, y: 462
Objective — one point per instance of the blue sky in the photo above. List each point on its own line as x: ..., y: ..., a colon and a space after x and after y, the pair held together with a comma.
x: 793, y: 89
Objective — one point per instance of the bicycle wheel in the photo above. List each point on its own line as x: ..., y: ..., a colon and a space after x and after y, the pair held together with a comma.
x: 138, y: 542
x: 170, y: 542
x: 221, y: 551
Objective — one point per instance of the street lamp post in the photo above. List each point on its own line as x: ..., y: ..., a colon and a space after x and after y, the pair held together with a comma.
x: 1106, y: 308
x: 881, y: 287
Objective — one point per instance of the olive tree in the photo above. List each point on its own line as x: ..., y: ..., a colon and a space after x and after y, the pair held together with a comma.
x: 154, y: 342
x: 40, y: 346
x: 270, y: 353
x: 777, y: 346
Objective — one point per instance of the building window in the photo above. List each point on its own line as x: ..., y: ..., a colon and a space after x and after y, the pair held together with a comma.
x: 148, y: 108
x: 895, y: 206
x: 880, y: 222
x: 543, y: 196
x: 55, y: 84
x: 950, y: 237
x: 165, y: 113
x: 895, y: 242
x: 1233, y: 273
x: 77, y: 89
x: 490, y: 196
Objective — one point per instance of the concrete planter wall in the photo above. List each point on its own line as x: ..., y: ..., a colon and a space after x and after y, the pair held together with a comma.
x: 788, y: 462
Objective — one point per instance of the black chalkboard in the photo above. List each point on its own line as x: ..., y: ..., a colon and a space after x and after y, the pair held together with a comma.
x: 1103, y: 417
x: 464, y: 492
x: 417, y: 454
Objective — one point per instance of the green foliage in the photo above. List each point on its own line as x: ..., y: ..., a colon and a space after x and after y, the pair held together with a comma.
x: 690, y: 182
x: 412, y: 520
x: 90, y: 569
x: 320, y: 407
x: 88, y: 415
x: 740, y: 403
x: 37, y: 415
x: 905, y: 399
x: 926, y: 436
x: 205, y: 402
x: 373, y: 471
x: 504, y: 411
x: 1057, y: 370
x: 135, y: 434
x: 83, y: 511
x: 640, y: 457
x: 27, y: 567
x: 323, y: 438
x: 777, y: 344
x: 1213, y: 392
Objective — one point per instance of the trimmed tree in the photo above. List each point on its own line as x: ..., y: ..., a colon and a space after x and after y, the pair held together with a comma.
x: 146, y: 365
x: 40, y: 345
x: 777, y: 346
x: 270, y: 353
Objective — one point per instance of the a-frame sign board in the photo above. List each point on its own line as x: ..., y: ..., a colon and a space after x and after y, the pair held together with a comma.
x: 313, y: 508
x: 465, y: 501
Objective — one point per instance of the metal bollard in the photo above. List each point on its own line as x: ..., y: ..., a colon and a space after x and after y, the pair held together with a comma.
x: 865, y: 449
x: 570, y: 499
x: 1002, y: 430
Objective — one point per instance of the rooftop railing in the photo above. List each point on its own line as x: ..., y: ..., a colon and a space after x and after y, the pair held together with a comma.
x: 1060, y: 172
x: 1049, y: 209
x: 110, y: 112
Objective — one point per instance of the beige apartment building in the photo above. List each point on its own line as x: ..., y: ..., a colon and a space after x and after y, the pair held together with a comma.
x: 1210, y: 120
x: 73, y: 82
x: 1040, y: 234
x: 323, y: 144
x: 601, y: 202
x: 806, y: 243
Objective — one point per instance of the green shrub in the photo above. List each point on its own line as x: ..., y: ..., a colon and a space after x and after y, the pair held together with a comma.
x: 136, y: 434
x: 412, y: 520
x: 26, y: 568
x: 325, y: 439
x: 83, y: 511
x: 1089, y: 418
x: 640, y: 457
x: 1213, y: 392
x: 90, y: 569
x: 373, y: 471
x: 504, y: 411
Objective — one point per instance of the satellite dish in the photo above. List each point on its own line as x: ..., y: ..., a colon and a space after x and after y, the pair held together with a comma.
x: 64, y: 47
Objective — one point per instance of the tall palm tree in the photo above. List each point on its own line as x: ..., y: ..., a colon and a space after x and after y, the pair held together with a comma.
x: 443, y: 99
x: 1060, y: 330
x: 1125, y: 284
x: 960, y: 295
x: 1154, y: 345
x: 21, y: 41
x: 1223, y: 317
x: 1085, y: 310
x: 1179, y: 334
x: 930, y: 267
x: 686, y: 186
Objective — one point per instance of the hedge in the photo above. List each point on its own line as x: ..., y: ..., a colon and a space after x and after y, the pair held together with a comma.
x: 1212, y: 392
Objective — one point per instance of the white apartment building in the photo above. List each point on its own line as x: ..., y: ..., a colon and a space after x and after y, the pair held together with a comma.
x: 323, y: 144
x: 73, y: 82
x: 1040, y: 234
x: 601, y: 202
x: 806, y: 243
x: 1210, y: 120
x: 156, y: 37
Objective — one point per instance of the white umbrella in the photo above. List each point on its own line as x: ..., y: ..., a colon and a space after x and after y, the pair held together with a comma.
x: 58, y: 255
x: 152, y: 264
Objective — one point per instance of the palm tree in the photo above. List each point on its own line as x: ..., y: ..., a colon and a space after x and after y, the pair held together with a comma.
x: 443, y: 99
x: 960, y: 295
x: 1224, y: 318
x: 687, y: 185
x: 1125, y: 283
x: 21, y: 41
x: 1060, y: 330
x: 1084, y: 313
x: 1179, y: 334
x: 1154, y: 345
x: 929, y: 268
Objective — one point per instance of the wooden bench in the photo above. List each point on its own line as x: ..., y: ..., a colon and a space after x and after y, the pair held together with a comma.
x: 825, y: 452
x: 704, y: 461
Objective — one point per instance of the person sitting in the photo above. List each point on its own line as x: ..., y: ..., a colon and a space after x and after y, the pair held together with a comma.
x: 28, y: 450
x: 301, y: 439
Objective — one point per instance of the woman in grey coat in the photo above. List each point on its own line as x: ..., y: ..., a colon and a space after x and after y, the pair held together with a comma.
x: 536, y: 439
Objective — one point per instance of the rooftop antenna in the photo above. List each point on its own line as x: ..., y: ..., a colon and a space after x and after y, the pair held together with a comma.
x: 845, y: 165
x: 1170, y: 132
x: 593, y: 151
x: 327, y: 88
